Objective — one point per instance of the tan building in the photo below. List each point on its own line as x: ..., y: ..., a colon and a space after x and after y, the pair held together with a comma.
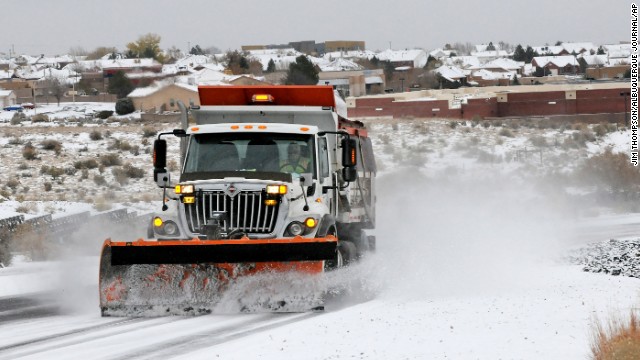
x: 158, y: 98
x: 7, y: 98
x: 609, y: 72
x: 343, y: 45
x: 354, y: 83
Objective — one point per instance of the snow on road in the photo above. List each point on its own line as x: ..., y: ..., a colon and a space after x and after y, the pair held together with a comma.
x: 465, y: 269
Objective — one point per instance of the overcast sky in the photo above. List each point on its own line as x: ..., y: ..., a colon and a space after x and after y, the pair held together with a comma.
x: 54, y: 27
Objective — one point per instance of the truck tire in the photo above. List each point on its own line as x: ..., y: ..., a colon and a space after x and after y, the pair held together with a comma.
x: 348, y: 251
x: 338, y: 261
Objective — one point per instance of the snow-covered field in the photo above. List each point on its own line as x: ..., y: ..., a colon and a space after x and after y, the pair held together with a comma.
x: 481, y: 248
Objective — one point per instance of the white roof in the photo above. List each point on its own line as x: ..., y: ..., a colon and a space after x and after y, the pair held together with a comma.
x: 373, y: 80
x: 158, y: 85
x: 504, y: 63
x: 578, y: 47
x: 5, y: 93
x: 560, y: 61
x: 596, y: 60
x: 463, y: 61
x: 340, y: 64
x: 450, y: 73
x: 400, y: 55
x: 543, y: 50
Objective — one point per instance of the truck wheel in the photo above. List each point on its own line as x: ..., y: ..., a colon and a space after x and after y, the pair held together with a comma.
x: 338, y: 261
x: 348, y: 251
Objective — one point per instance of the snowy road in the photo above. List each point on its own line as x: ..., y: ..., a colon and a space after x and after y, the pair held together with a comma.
x: 458, y: 274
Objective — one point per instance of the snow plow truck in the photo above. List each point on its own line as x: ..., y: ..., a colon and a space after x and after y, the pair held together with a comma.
x: 273, y: 180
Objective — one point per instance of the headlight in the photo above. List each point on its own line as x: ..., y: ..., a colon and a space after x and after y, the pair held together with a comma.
x: 170, y: 228
x: 276, y: 189
x: 184, y: 189
x: 310, y: 223
x: 295, y: 228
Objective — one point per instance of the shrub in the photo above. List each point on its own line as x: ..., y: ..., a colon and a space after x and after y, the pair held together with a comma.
x: 95, y: 135
x: 104, y: 114
x: 620, y: 341
x: 15, y: 141
x: 54, y: 172
x: 148, y: 132
x: 124, y: 106
x: 47, y: 186
x: 112, y: 159
x: 17, y: 118
x: 122, y: 145
x: 40, y: 118
x: 29, y: 152
x: 99, y: 180
x: 127, y: 172
x: 539, y: 141
x: 613, y: 172
x: 505, y: 132
x: 52, y: 145
x: 13, y: 183
x: 86, y: 164
x: 85, y: 174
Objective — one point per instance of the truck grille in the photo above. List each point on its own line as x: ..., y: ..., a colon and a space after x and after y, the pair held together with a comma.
x: 245, y: 211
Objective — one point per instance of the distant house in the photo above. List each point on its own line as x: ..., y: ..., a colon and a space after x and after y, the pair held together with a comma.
x: 451, y: 76
x: 354, y: 82
x: 556, y: 65
x: 414, y: 58
x: 7, y: 98
x: 157, y: 98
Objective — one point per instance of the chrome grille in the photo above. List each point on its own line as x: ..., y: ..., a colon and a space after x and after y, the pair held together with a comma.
x: 245, y: 211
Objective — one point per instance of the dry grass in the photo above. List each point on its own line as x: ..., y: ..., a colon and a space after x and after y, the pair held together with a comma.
x: 620, y: 341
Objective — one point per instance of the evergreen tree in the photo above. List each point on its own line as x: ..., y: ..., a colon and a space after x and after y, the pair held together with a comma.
x: 375, y: 62
x: 271, y: 66
x: 120, y: 85
x: 519, y: 54
x: 601, y: 50
x: 491, y: 47
x: 302, y: 72
x: 196, y: 50
x: 530, y: 54
x: 515, y: 80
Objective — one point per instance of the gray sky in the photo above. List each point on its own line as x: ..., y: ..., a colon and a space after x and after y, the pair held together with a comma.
x: 53, y: 27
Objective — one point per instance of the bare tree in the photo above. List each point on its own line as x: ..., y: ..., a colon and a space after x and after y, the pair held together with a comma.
x: 57, y: 88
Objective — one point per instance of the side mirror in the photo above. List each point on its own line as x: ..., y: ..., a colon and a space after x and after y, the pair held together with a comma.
x: 159, y: 154
x: 349, y: 174
x: 349, y: 158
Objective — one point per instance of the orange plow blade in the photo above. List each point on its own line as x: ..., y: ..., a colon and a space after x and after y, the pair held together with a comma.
x: 154, y: 278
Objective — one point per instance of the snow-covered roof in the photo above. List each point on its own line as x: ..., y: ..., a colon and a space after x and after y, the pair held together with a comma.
x: 596, y: 60
x: 578, y: 47
x: 373, y: 80
x: 129, y: 63
x: 504, y: 63
x: 341, y: 64
x: 490, y: 54
x: 5, y: 93
x: 543, y: 50
x: 404, y: 55
x: 450, y: 73
x: 463, y: 61
x: 358, y: 54
x: 560, y: 61
x: 159, y: 85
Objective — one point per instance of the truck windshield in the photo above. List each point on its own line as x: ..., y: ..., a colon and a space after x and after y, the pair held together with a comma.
x: 263, y: 152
